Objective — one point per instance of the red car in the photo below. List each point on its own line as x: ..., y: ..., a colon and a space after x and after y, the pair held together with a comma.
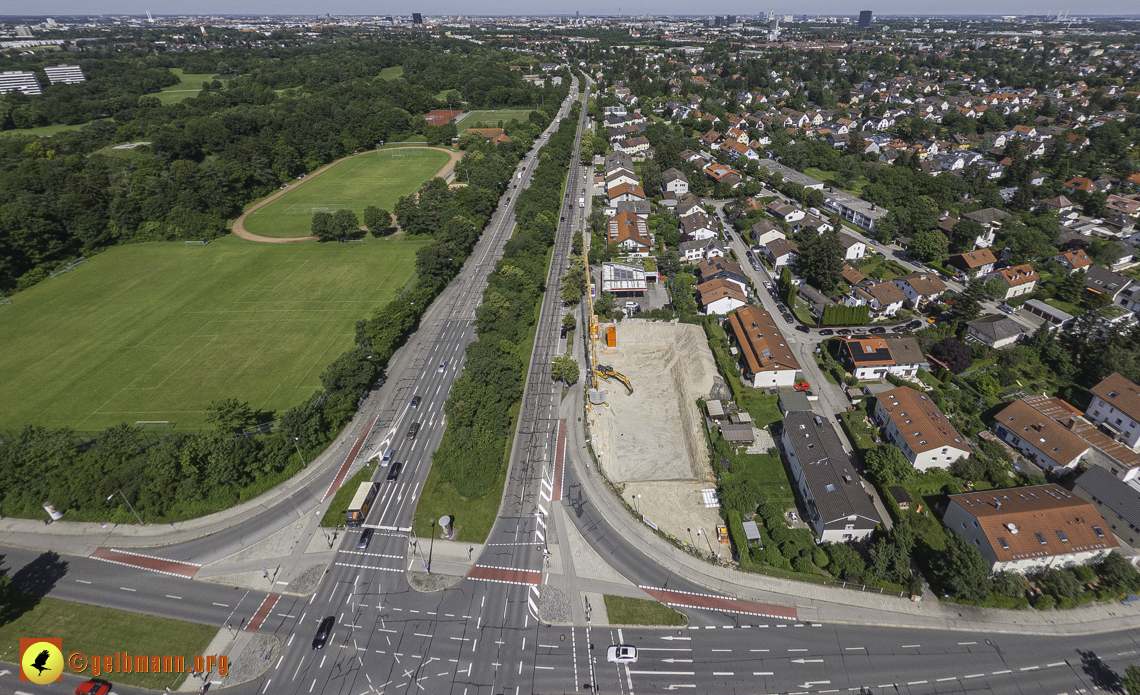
x: 803, y: 386
x: 93, y: 687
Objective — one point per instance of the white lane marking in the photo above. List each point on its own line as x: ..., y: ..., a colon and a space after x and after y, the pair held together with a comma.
x: 975, y: 675
x: 177, y: 598
x: 962, y: 644
x: 1059, y: 663
x: 762, y: 673
x: 123, y: 588
x: 223, y: 605
x: 82, y: 581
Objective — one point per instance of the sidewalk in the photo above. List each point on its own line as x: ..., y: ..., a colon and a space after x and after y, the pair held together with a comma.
x: 820, y: 603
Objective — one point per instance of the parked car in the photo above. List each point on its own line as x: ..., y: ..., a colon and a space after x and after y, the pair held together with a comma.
x: 803, y: 329
x: 394, y: 472
x: 323, y: 632
x: 914, y: 324
x: 95, y: 686
x: 564, y: 331
x: 899, y: 329
x: 622, y: 654
x: 803, y: 386
x: 878, y: 329
x: 827, y: 331
x: 843, y: 331
x: 365, y: 538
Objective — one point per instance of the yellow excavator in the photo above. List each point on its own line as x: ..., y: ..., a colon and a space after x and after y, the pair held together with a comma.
x: 607, y: 372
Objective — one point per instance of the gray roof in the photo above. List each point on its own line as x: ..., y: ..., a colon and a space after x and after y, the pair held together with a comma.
x: 751, y: 531
x: 672, y: 174
x: 794, y: 402
x: 986, y: 215
x: 1113, y: 493
x: 737, y: 433
x: 833, y: 483
x: 1105, y: 281
x: 997, y: 327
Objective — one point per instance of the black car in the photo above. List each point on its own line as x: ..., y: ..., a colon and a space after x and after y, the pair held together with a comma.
x: 914, y: 324
x: 898, y: 329
x: 878, y: 329
x: 827, y: 331
x: 564, y: 331
x: 803, y: 329
x: 413, y: 430
x: 323, y: 632
x: 844, y: 331
x: 394, y: 471
x: 415, y: 402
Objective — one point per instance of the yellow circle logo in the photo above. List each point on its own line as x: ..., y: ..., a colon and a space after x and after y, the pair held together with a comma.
x: 42, y: 663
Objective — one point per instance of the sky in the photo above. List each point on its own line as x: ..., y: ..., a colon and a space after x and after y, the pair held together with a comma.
x: 586, y: 7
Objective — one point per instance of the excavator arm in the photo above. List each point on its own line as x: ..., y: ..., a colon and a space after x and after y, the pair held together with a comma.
x: 607, y: 372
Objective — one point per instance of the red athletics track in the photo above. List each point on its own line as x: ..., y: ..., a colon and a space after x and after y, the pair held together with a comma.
x: 505, y: 575
x: 262, y: 613
x: 147, y: 562
x: 336, y: 483
x: 686, y: 599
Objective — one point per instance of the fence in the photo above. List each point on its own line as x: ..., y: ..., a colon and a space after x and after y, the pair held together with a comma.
x: 69, y: 267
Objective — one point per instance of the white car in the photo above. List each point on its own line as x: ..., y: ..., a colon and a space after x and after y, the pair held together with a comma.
x: 622, y: 654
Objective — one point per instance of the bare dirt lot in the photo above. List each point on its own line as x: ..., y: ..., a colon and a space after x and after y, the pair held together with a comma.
x: 655, y: 433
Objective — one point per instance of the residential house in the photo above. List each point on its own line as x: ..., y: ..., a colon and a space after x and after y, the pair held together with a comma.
x: 617, y: 160
x: 991, y: 220
x: 1116, y: 404
x: 780, y: 252
x: 852, y: 276
x: 720, y: 296
x: 981, y: 261
x: 1105, y: 282
x: 1079, y: 183
x: 785, y: 212
x: 632, y: 145
x: 765, y: 231
x: 689, y: 204
x: 719, y: 173
x: 1045, y: 441
x: 675, y: 182
x: 630, y: 232
x: 625, y: 192
x: 995, y: 330
x: 920, y: 287
x: 854, y: 248
x: 815, y: 300
x: 617, y: 177
x: 1117, y: 502
x: 836, y: 503
x: 884, y: 298
x: 1030, y: 529
x: 767, y: 359
x: 698, y: 226
x: 494, y: 135
x: 1072, y: 261
x: 819, y: 225
x: 874, y: 357
x: 912, y: 422
x: 1059, y: 204
x: 701, y: 249
x: 1018, y: 279
x: 725, y: 268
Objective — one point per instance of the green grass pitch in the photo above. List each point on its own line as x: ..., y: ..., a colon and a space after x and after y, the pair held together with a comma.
x: 377, y: 178
x: 156, y: 331
x: 490, y: 119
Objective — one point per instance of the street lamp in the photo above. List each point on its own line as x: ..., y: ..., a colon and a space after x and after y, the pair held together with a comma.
x: 691, y: 541
x: 700, y: 532
x: 638, y: 498
x: 298, y: 447
x: 120, y: 493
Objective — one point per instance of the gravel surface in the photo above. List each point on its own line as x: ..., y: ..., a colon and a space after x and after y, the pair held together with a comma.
x: 555, y: 607
x: 261, y: 653
x: 306, y: 582
x: 422, y: 581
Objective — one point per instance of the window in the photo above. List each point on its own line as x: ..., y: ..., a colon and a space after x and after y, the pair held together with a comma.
x: 1041, y: 539
x: 1112, y: 394
x: 830, y: 487
x: 1004, y: 544
x: 1062, y: 536
x: 1099, y: 532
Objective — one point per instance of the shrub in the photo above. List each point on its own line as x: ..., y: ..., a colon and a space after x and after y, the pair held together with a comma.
x: 1084, y: 573
x: 736, y: 535
x: 819, y: 557
x: 1044, y: 602
x: 1060, y: 583
x: 803, y: 564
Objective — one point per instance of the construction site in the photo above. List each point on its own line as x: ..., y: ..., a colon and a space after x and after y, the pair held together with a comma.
x: 648, y: 435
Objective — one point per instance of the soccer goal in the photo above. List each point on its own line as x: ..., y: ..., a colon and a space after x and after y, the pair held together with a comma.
x: 303, y: 210
x: 199, y: 242
x: 156, y: 426
x: 4, y: 301
x: 409, y: 152
x: 69, y: 267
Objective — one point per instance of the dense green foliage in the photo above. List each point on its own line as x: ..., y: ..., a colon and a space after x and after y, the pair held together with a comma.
x: 843, y: 315
x: 471, y: 455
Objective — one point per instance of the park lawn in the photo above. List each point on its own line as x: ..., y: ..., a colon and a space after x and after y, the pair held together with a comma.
x: 377, y: 178
x: 337, y: 513
x: 96, y: 630
x: 623, y: 610
x: 392, y: 72
x: 828, y: 177
x: 490, y: 119
x: 157, y: 331
x: 189, y: 86
x: 46, y: 130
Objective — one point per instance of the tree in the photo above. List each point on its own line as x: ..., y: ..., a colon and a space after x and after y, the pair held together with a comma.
x: 565, y: 367
x: 968, y: 306
x: 966, y: 232
x: 820, y: 261
x: 604, y: 305
x: 1070, y: 288
x: 887, y: 463
x: 569, y: 322
x: 345, y: 224
x: 230, y: 415
x: 322, y: 226
x: 574, y: 281
x: 931, y: 245
x: 961, y: 570
x: 1131, y: 680
x: 955, y: 354
x: 378, y: 221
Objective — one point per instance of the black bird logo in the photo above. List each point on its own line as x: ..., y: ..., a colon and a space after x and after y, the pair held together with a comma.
x: 41, y: 659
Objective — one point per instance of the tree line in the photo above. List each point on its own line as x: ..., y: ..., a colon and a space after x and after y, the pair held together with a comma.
x: 471, y: 456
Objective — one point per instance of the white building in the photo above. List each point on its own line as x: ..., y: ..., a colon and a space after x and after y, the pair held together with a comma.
x: 913, y: 423
x: 1116, y: 403
x: 18, y: 81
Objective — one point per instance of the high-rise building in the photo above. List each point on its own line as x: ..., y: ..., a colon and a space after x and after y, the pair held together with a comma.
x: 865, y: 19
x: 730, y: 20
x: 417, y: 18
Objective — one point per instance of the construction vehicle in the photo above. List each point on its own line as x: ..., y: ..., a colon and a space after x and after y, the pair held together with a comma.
x: 607, y: 372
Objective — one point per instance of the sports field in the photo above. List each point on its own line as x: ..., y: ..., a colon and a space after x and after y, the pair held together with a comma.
x: 156, y: 331
x: 377, y: 178
x: 490, y: 119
